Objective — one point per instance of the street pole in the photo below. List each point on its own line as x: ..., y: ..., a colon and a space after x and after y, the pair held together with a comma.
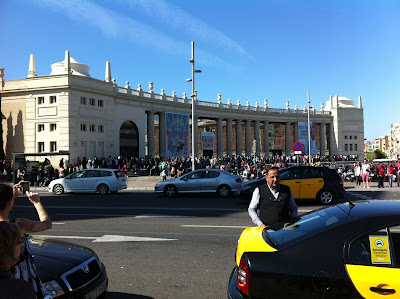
x: 193, y: 96
x: 193, y: 101
x: 2, y: 154
x: 309, y: 128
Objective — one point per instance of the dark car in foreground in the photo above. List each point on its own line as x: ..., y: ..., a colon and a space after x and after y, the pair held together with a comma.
x: 68, y: 270
x: 351, y: 250
x: 305, y: 182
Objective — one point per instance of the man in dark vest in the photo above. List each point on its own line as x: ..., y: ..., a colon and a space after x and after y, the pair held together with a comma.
x: 272, y: 204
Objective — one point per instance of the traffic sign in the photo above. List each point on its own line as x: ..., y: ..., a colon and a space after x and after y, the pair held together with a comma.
x: 298, y: 146
x: 298, y: 152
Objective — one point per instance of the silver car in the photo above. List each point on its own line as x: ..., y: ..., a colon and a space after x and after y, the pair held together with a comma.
x: 98, y: 180
x: 203, y: 180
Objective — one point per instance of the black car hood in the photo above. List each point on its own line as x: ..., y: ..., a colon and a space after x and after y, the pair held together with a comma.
x: 54, y: 257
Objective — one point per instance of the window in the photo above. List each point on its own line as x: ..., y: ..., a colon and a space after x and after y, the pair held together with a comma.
x: 346, y: 147
x: 100, y: 103
x: 40, y: 127
x: 92, y: 128
x: 92, y: 102
x: 355, y: 137
x: 100, y: 129
x: 83, y: 127
x: 53, y: 99
x: 351, y: 137
x: 83, y: 100
x: 40, y: 147
x: 53, y: 146
x: 345, y: 137
x: 40, y: 100
x: 53, y: 127
x: 356, y: 147
x: 351, y: 147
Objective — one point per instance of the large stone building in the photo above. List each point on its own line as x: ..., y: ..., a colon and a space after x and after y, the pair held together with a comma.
x: 69, y: 111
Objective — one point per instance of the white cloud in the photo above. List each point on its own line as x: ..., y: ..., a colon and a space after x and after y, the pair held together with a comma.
x: 177, y: 18
x: 116, y: 25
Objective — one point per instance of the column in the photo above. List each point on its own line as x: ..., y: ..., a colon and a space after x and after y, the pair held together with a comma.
x: 239, y: 150
x: 266, y: 138
x: 195, y: 122
x: 162, y: 141
x: 219, y: 138
x: 288, y: 145
x: 257, y: 137
x: 248, y: 140
x: 296, y: 131
x: 150, y: 134
x: 229, y: 135
x: 322, y: 137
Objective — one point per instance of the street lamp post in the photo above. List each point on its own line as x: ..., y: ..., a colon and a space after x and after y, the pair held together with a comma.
x: 193, y: 96
x: 1, y: 121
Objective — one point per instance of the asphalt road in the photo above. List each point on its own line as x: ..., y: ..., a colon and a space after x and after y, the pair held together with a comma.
x: 154, y: 247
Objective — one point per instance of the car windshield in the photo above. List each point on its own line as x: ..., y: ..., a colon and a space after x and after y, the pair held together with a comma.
x: 308, y: 225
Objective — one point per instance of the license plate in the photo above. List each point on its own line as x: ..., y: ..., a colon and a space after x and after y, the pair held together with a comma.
x: 97, y: 291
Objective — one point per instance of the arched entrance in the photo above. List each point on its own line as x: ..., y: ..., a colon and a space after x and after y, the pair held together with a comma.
x: 129, y: 140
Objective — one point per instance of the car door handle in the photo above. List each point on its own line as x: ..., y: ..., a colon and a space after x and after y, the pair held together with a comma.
x: 297, y: 182
x: 382, y: 290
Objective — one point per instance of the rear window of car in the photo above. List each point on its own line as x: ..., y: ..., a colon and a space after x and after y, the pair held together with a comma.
x: 119, y: 174
x: 210, y: 174
x: 308, y: 225
x: 106, y: 173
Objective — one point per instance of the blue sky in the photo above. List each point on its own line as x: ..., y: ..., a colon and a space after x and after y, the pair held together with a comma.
x: 247, y: 50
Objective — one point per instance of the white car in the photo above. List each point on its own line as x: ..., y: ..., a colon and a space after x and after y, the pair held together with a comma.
x: 99, y: 180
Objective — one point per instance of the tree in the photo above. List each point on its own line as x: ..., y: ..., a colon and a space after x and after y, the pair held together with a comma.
x: 379, y: 154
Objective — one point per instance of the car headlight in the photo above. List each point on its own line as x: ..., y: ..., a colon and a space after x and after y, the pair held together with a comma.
x: 53, y: 289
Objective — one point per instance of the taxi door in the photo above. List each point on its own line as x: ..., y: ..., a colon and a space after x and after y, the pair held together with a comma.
x: 311, y: 182
x: 291, y: 178
x: 373, y: 264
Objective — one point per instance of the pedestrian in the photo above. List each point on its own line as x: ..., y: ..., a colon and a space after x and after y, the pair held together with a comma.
x: 357, y: 173
x: 365, y: 170
x: 390, y: 173
x: 397, y: 172
x: 26, y: 269
x: 272, y: 204
x: 10, y: 250
x: 381, y: 174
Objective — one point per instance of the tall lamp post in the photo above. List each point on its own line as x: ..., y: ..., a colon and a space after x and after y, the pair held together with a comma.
x: 309, y: 127
x: 1, y: 115
x: 193, y: 96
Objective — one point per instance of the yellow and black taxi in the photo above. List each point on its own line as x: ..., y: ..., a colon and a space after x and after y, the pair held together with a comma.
x: 305, y: 182
x: 351, y: 250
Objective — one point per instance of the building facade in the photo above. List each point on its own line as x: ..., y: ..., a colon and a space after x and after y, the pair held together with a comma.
x: 70, y: 111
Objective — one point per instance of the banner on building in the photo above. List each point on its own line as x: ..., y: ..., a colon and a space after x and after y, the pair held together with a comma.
x: 177, y: 129
x: 207, y: 140
x: 303, y: 137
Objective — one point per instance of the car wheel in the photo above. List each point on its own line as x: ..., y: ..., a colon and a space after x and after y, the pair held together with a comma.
x: 58, y: 189
x: 102, y: 189
x: 223, y: 191
x: 325, y: 196
x: 170, y: 191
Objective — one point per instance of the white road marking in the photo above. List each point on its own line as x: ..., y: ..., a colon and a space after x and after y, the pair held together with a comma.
x: 122, y: 215
x: 108, y: 238
x: 214, y: 226
x: 58, y: 223
x: 136, y: 208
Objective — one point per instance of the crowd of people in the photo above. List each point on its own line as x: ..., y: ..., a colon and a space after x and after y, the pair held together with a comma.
x: 155, y: 166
